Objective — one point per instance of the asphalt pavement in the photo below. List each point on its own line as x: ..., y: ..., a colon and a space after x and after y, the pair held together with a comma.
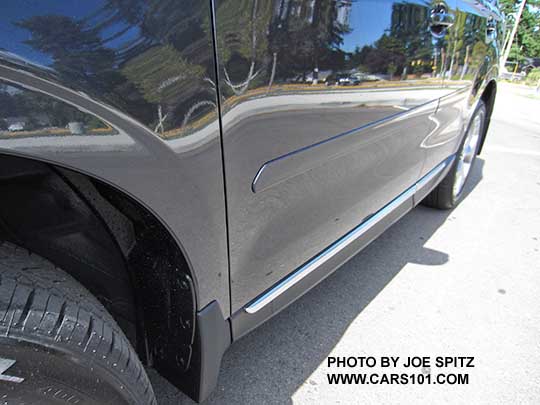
x: 461, y: 283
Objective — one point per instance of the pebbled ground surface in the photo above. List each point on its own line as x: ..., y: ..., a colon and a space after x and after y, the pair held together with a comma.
x: 459, y: 283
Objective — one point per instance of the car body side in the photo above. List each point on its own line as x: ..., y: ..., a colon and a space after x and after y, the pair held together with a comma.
x: 170, y: 142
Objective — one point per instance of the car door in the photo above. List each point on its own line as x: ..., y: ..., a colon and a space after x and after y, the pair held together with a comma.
x: 324, y: 107
x: 469, y: 54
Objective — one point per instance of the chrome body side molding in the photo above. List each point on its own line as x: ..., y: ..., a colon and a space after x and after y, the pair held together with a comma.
x: 296, y: 276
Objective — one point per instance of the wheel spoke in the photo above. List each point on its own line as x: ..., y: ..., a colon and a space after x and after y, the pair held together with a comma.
x: 466, y: 157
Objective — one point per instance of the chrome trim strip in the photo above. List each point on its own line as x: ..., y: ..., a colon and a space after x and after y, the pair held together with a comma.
x: 302, y: 272
x: 266, y: 173
x: 434, y: 172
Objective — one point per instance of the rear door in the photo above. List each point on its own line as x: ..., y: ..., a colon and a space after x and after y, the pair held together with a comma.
x: 325, y: 105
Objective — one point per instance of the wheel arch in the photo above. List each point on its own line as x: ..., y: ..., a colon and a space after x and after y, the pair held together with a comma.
x: 488, y: 97
x: 181, y: 332
x: 113, y: 245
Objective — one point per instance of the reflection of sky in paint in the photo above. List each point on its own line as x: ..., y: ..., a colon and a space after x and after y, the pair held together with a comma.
x: 368, y: 21
x: 12, y: 37
x: 473, y: 7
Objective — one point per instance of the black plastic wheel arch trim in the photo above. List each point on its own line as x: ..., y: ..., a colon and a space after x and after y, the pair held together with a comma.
x: 212, y: 338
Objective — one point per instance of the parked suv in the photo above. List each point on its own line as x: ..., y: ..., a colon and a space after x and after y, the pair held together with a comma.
x: 173, y: 189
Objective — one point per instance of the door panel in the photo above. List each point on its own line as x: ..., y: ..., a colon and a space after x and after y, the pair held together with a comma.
x: 325, y: 105
x: 471, y: 52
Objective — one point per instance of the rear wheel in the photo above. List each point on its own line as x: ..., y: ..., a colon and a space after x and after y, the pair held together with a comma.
x: 450, y: 190
x: 58, y: 344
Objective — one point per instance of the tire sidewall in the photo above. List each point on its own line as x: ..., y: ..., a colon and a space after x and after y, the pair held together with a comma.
x: 53, y: 376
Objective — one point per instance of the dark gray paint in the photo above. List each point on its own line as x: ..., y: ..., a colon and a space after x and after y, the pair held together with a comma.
x: 472, y: 54
x: 320, y: 158
x: 176, y: 173
x: 305, y: 162
x: 337, y: 254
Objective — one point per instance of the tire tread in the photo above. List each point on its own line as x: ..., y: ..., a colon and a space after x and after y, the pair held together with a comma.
x: 41, y: 303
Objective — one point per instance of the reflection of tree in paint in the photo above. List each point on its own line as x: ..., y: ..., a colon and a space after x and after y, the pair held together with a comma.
x: 260, y: 41
x: 407, y: 44
x: 134, y: 54
x: 455, y: 39
x: 409, y: 26
x: 305, y: 35
x: 77, y: 52
x: 243, y: 35
x: 465, y: 48
x: 161, y: 74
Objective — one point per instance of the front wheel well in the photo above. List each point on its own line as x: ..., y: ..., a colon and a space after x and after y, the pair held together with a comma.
x: 488, y: 97
x: 112, y: 245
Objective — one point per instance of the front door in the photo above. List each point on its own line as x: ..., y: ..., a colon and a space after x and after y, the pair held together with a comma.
x: 325, y: 105
x: 469, y: 50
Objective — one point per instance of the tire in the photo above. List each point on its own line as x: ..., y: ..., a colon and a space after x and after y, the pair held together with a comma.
x: 58, y: 344
x: 449, y: 192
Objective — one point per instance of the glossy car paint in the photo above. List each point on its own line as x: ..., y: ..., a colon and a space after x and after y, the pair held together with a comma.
x: 126, y: 91
x: 470, y: 61
x: 307, y: 161
x: 143, y: 74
